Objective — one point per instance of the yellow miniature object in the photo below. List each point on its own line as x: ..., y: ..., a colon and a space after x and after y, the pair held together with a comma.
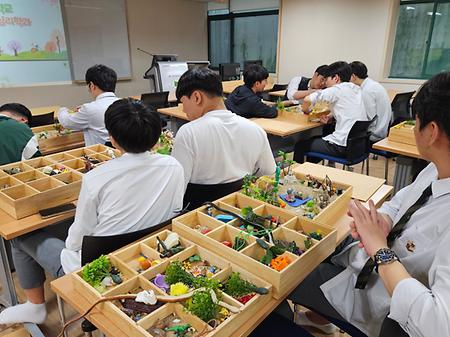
x: 178, y: 289
x: 279, y: 263
x: 144, y: 263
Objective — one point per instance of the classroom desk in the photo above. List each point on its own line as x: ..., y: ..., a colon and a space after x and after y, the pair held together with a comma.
x: 406, y: 165
x: 11, y: 228
x: 281, y: 93
x: 229, y: 86
x: 65, y: 290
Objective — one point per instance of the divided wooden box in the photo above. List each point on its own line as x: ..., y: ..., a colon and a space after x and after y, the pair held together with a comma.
x: 55, y: 140
x: 125, y: 261
x: 402, y: 133
x: 25, y: 193
x: 292, y: 228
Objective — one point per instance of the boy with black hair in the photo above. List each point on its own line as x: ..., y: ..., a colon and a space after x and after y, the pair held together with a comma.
x: 376, y: 101
x: 90, y: 117
x: 347, y: 107
x: 217, y: 146
x: 132, y: 192
x: 300, y: 87
x: 393, y: 281
x: 17, y: 141
x: 246, y: 100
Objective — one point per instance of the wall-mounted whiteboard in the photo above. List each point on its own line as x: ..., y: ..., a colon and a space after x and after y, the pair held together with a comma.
x: 98, y: 34
x: 32, y: 43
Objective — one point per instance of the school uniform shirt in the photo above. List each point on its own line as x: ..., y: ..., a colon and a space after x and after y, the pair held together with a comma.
x: 377, y: 103
x: 90, y: 118
x: 126, y: 194
x: 222, y: 147
x: 244, y: 102
x: 347, y: 107
x: 17, y: 141
x: 420, y: 304
x: 296, y: 84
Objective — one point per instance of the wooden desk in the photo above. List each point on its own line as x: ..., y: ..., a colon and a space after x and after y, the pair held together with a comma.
x: 64, y: 288
x: 229, y: 86
x: 44, y: 110
x: 279, y: 93
x: 398, y: 148
x: 286, y: 124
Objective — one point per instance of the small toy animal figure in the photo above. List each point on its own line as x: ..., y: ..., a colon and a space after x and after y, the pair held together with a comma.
x: 290, y: 197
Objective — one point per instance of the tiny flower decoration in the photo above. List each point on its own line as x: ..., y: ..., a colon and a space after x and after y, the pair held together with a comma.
x: 178, y: 289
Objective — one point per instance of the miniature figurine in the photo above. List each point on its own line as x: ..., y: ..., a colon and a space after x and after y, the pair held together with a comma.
x: 13, y: 170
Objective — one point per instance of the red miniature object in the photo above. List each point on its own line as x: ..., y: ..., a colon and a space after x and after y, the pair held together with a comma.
x: 244, y: 299
x: 205, y: 231
x: 279, y: 263
x: 227, y: 243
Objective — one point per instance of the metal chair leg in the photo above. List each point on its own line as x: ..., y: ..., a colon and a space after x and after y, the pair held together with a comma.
x: 362, y: 167
x: 367, y: 167
x: 386, y: 169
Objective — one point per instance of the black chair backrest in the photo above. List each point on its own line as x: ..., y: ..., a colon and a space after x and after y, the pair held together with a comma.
x: 94, y: 246
x: 229, y: 71
x: 358, y: 142
x: 156, y: 100
x: 44, y: 119
x: 278, y: 87
x: 197, y: 194
x: 401, y: 107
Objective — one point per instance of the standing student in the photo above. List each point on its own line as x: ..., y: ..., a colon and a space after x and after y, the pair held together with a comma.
x: 300, y: 87
x: 376, y: 101
x: 90, y: 117
x: 246, y: 100
x: 394, y: 281
x: 347, y: 107
x: 17, y: 141
x: 134, y: 191
x: 217, y: 146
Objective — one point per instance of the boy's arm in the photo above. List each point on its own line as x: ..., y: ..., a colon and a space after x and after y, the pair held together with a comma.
x: 85, y: 219
x: 74, y: 121
x: 258, y: 109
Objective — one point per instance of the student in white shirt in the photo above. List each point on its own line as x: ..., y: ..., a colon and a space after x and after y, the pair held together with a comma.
x: 300, y: 87
x: 376, y: 101
x: 409, y: 296
x: 90, y: 117
x: 217, y: 146
x: 347, y: 107
x: 135, y: 191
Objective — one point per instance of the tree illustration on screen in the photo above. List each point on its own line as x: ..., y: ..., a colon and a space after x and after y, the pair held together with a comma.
x: 14, y: 46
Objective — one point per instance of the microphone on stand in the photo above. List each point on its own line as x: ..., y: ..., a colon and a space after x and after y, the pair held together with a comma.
x: 144, y: 51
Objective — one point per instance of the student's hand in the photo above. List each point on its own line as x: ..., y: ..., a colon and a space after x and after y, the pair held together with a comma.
x: 326, y: 119
x: 368, y: 226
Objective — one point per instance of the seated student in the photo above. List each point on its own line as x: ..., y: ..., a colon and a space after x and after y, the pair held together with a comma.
x: 90, y: 117
x: 17, y: 141
x: 376, y: 101
x: 408, y: 238
x: 347, y: 107
x: 300, y: 87
x: 246, y: 100
x: 132, y: 192
x: 217, y: 146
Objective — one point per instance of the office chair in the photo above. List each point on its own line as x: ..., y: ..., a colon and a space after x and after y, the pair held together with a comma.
x: 44, y: 119
x: 358, y: 145
x: 197, y: 194
x: 230, y: 71
x: 276, y: 87
x: 401, y: 107
x: 157, y: 100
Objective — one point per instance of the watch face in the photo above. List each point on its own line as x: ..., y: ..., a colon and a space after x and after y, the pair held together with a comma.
x: 384, y: 255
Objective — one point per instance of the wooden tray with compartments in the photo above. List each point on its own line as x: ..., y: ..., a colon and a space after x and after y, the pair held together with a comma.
x: 25, y: 193
x: 49, y: 138
x: 291, y: 228
x: 135, y: 280
x: 402, y: 133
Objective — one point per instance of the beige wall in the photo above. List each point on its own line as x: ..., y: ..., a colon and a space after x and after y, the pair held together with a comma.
x: 324, y: 31
x: 169, y: 26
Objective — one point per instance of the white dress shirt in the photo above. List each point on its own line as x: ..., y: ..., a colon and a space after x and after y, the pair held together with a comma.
x: 377, y: 103
x: 347, y: 107
x: 90, y: 118
x: 293, y: 88
x: 421, y: 304
x: 126, y: 194
x: 222, y: 147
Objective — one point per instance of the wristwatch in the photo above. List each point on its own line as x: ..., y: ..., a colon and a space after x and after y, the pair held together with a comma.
x: 384, y: 256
